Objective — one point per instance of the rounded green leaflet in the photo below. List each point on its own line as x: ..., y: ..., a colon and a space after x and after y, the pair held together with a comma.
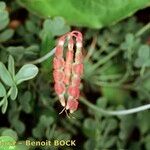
x: 5, y: 75
x: 89, y: 127
x: 2, y: 6
x: 14, y: 92
x: 9, y: 132
x: 87, y: 13
x: 56, y: 27
x: 44, y: 123
x: 25, y: 101
x: 4, y: 19
x: 5, y: 104
x: 7, y: 143
x: 6, y: 35
x: 143, y: 57
x: 16, y: 51
x: 144, y: 52
x: 11, y: 66
x: 27, y: 72
x: 2, y: 90
x: 146, y: 142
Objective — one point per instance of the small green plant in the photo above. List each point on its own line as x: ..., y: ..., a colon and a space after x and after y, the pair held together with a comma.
x: 12, y: 80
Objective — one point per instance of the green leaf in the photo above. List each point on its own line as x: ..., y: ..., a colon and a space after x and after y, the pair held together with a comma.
x: 7, y: 139
x: 2, y: 6
x: 16, y: 51
x: 25, y: 101
x: 5, y: 104
x: 14, y: 92
x: 129, y: 42
x: 89, y: 127
x: 2, y: 90
x: 31, y: 27
x: 10, y: 132
x: 6, y: 35
x: 89, y: 144
x: 146, y: 142
x: 19, y: 126
x: 54, y: 27
x: 110, y: 142
x: 89, y: 13
x: 4, y: 19
x: 31, y: 51
x: 111, y: 124
x: 126, y: 126
x: 44, y: 123
x: 143, y: 121
x: 11, y: 66
x: 5, y: 75
x: 144, y: 52
x: 2, y: 101
x: 27, y: 72
x: 143, y: 57
x: 101, y: 102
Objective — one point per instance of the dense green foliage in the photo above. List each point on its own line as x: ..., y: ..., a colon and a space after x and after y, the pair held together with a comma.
x: 116, y: 76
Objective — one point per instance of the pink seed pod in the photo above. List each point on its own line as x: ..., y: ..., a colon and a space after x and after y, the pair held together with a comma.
x: 62, y: 100
x: 77, y: 69
x: 79, y: 57
x: 68, y: 66
x: 58, y: 75
x: 73, y: 91
x: 67, y: 74
x: 69, y: 57
x: 59, y: 88
x: 69, y: 60
x: 72, y: 105
x: 70, y: 44
x: 68, y: 69
x: 59, y: 52
x: 58, y: 63
x: 76, y: 81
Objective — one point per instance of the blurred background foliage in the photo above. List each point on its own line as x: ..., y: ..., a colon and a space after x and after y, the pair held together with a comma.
x: 95, y: 13
x: 116, y: 74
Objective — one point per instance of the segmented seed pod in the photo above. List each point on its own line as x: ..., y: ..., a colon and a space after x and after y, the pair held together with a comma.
x: 69, y: 60
x: 77, y: 71
x: 67, y: 72
x: 58, y: 73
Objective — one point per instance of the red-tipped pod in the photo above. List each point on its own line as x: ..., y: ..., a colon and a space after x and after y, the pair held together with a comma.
x: 72, y: 105
x: 68, y: 69
x: 58, y: 75
x: 59, y: 88
x: 58, y: 63
x: 77, y: 69
x: 73, y: 91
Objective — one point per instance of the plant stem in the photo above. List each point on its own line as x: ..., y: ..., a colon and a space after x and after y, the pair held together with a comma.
x: 43, y: 58
x: 115, y: 113
x: 92, y: 47
x: 107, y: 77
x: 106, y: 58
x: 142, y: 30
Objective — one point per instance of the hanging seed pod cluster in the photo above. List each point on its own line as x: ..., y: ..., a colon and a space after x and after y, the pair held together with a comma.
x: 68, y: 69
